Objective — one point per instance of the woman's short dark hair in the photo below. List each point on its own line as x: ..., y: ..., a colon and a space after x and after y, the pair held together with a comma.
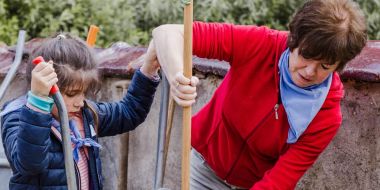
x: 330, y: 30
x: 73, y: 60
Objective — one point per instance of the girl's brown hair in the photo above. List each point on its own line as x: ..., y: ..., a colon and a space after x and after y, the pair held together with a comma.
x: 329, y: 30
x: 74, y: 63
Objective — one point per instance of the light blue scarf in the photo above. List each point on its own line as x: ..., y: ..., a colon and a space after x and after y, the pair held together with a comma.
x: 301, y: 104
x: 76, y: 138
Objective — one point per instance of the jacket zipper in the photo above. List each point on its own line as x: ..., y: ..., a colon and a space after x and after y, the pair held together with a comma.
x: 245, y: 140
x: 276, y: 110
x: 91, y: 153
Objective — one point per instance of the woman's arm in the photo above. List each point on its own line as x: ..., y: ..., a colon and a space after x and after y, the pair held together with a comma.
x: 167, y: 47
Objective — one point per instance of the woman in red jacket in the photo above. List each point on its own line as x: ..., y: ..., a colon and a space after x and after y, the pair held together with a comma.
x: 278, y: 107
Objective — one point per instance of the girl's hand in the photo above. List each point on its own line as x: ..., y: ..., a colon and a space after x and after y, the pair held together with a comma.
x: 43, y: 78
x: 151, y: 66
x: 184, y: 90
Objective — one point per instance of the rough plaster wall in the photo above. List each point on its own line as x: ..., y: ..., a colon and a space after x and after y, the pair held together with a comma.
x: 143, y: 140
x: 112, y: 90
x: 352, y: 160
x: 17, y: 88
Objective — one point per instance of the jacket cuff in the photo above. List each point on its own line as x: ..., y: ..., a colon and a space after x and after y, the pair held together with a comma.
x: 143, y: 83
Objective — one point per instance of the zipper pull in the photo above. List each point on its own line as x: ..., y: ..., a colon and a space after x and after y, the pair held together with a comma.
x: 275, y: 110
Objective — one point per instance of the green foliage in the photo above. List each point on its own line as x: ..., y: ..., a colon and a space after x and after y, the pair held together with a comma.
x: 8, y: 25
x: 42, y: 18
x: 371, y: 9
x: 133, y: 20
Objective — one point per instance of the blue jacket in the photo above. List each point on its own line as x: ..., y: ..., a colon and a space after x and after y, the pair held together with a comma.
x: 35, y: 153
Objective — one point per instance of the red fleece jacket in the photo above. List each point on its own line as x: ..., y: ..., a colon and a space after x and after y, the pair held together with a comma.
x: 237, y: 131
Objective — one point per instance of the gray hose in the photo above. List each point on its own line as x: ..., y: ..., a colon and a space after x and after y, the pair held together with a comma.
x: 66, y: 141
x: 16, y: 63
x: 159, y: 171
x: 9, y: 77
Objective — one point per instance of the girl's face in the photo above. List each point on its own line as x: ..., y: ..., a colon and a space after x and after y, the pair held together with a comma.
x: 307, y: 72
x: 74, y: 101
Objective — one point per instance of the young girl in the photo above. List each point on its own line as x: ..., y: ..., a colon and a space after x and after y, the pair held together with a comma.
x: 30, y: 127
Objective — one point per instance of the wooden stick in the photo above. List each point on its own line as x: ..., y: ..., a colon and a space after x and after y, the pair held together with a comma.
x: 187, y: 71
x: 122, y: 183
x: 91, y: 36
x: 168, y: 130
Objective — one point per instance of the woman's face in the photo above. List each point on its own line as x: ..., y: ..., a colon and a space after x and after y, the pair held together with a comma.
x: 307, y: 72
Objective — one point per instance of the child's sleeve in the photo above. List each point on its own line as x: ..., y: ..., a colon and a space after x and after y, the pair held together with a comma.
x: 131, y: 111
x: 26, y: 139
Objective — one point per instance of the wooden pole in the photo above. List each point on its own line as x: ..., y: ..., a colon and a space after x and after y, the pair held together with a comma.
x: 122, y: 183
x: 168, y: 130
x: 187, y: 71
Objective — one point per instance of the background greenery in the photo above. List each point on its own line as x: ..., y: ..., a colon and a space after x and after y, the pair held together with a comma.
x: 133, y: 20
